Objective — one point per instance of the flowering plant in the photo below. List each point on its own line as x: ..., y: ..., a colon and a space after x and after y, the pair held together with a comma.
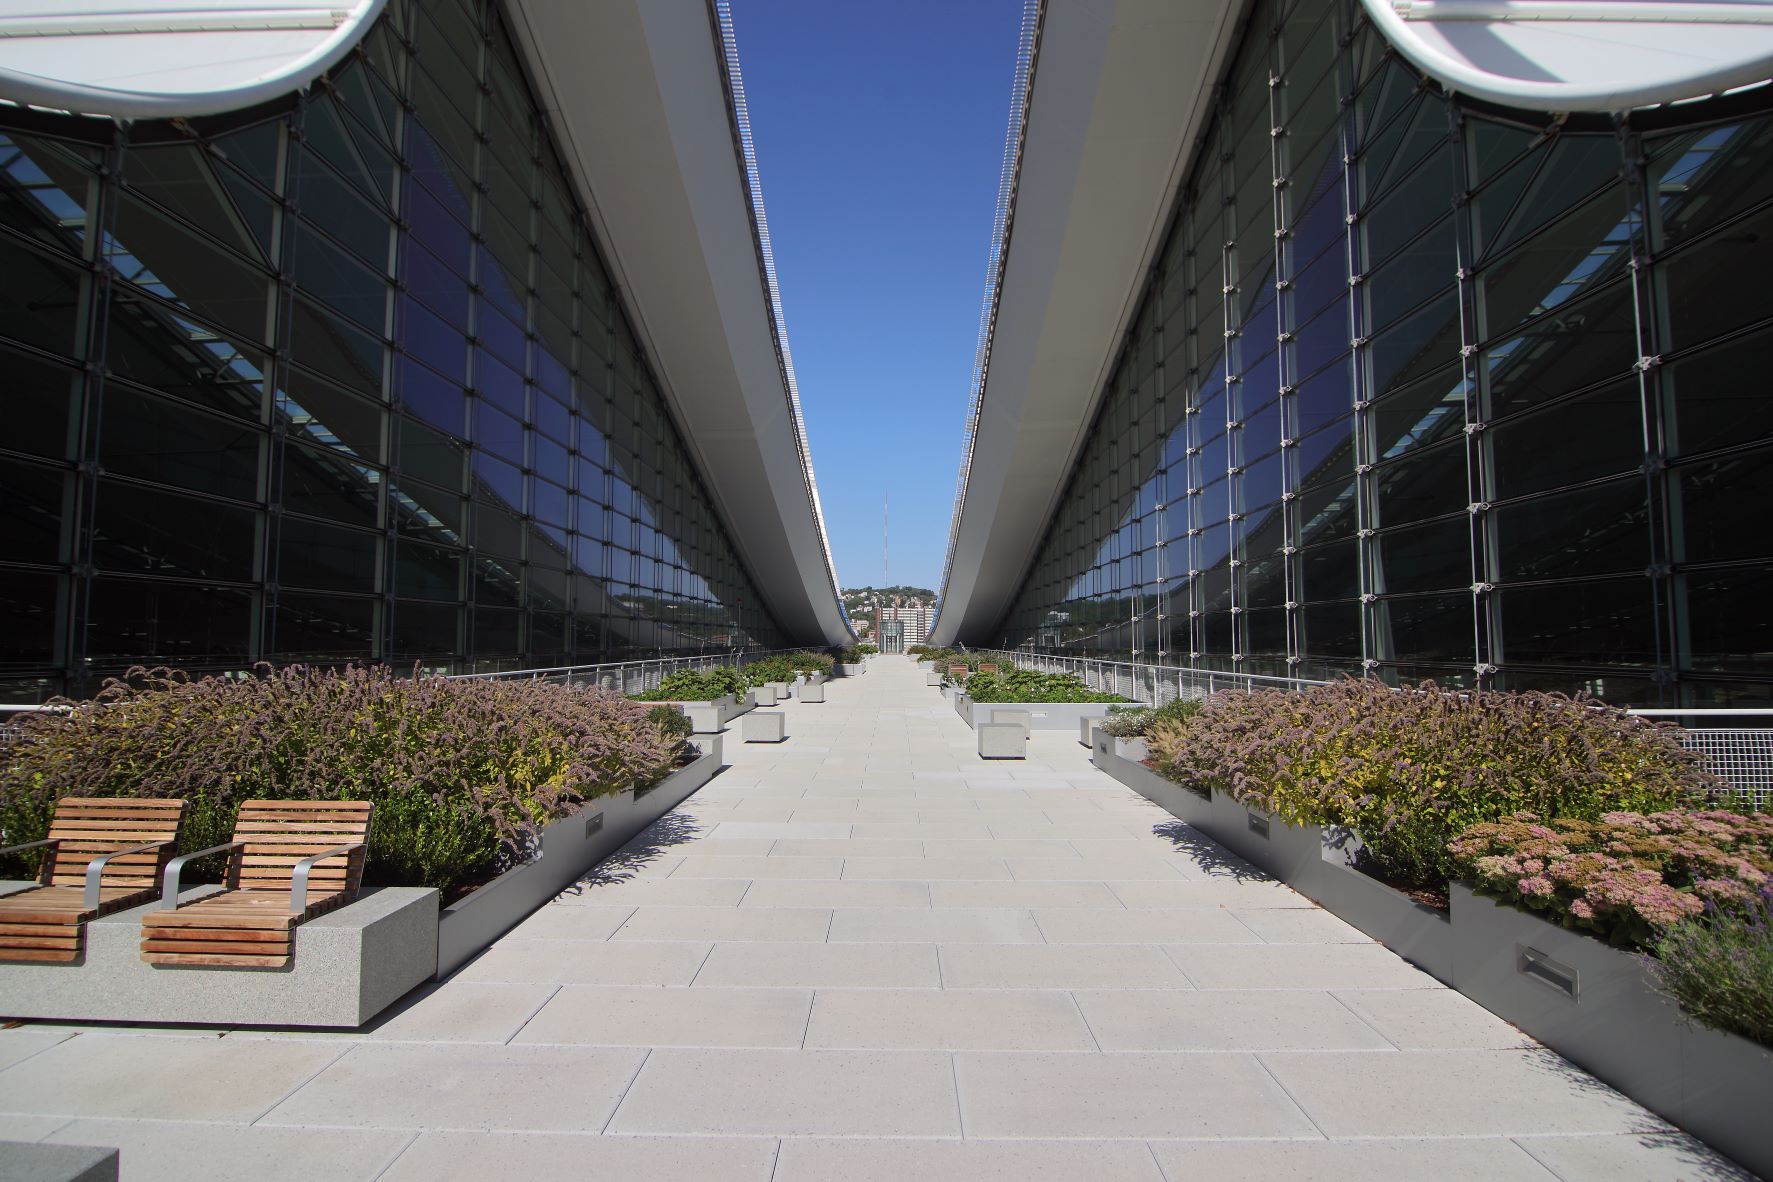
x: 1720, y: 968
x: 1627, y: 877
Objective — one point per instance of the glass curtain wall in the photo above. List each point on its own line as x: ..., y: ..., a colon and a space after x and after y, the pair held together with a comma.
x: 343, y: 378
x: 1429, y: 389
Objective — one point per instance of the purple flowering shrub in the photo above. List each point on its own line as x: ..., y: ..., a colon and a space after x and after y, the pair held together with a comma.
x: 463, y: 773
x: 1720, y: 968
x: 1627, y: 877
x: 1409, y: 769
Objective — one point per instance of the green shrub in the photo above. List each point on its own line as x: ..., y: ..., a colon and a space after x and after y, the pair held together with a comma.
x: 463, y: 773
x: 767, y: 670
x: 1137, y: 721
x: 697, y: 685
x: 1625, y: 877
x: 1027, y: 685
x: 810, y: 662
x: 1410, y: 769
x: 855, y: 654
x: 1720, y: 968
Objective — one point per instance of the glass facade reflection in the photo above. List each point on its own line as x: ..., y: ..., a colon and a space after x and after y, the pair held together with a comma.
x: 339, y: 378
x: 1436, y: 389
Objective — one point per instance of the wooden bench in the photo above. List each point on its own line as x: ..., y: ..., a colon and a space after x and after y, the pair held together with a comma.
x: 987, y: 668
x: 101, y: 855
x: 289, y: 861
x: 958, y: 670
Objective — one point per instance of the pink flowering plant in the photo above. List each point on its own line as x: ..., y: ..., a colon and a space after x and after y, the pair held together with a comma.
x: 1409, y: 769
x: 1626, y: 877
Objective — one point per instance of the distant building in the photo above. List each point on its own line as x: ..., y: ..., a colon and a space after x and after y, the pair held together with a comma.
x: 914, y: 620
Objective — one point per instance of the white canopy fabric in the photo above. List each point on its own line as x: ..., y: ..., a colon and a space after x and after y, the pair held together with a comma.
x: 162, y: 58
x: 1582, y: 55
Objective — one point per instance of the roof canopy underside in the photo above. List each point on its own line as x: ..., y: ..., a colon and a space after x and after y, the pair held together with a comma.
x: 635, y: 94
x: 1117, y: 96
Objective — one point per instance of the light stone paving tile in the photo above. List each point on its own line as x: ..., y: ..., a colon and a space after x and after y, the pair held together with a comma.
x: 569, y: 1157
x: 1021, y: 894
x: 923, y: 869
x: 1105, y: 849
x: 583, y: 962
x: 1298, y: 966
x: 1489, y: 1159
x: 741, y: 846
x: 131, y: 1076
x: 822, y: 966
x: 848, y: 848
x: 1454, y: 1093
x: 1674, y: 1158
x: 1068, y: 830
x: 572, y: 923
x: 1208, y: 892
x: 792, y: 1093
x: 821, y: 1160
x: 1178, y: 1020
x: 22, y: 1042
x: 646, y: 1017
x: 717, y: 866
x: 462, y: 1011
x: 866, y: 815
x: 29, y: 1128
x: 990, y: 847
x: 1432, y: 1019
x: 920, y: 831
x: 1299, y: 925
x: 657, y: 892
x: 1057, y: 966
x: 650, y: 867
x: 1101, y: 925
x: 788, y: 893
x: 1092, y: 869
x: 941, y: 925
x: 949, y: 1020
x: 780, y: 829
x: 1124, y: 1095
x: 464, y: 1086
x: 726, y: 923
x: 179, y: 1151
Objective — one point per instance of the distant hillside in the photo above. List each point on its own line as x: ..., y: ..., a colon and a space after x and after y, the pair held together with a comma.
x: 852, y: 595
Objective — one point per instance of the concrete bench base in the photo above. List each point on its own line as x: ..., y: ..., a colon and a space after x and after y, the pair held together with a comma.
x: 348, y: 966
x: 765, y: 726
x: 30, y: 1161
x: 1002, y: 740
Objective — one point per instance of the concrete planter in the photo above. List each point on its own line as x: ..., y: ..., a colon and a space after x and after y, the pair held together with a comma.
x: 855, y: 670
x: 1043, y: 716
x: 569, y: 848
x: 1598, y: 1007
x: 1182, y: 803
x: 1291, y: 853
x: 1135, y: 748
x: 711, y: 717
x: 1418, y: 933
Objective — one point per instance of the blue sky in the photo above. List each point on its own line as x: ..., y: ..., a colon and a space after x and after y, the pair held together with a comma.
x: 879, y: 133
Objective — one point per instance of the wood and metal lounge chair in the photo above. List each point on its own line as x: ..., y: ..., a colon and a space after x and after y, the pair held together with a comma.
x: 101, y: 855
x: 957, y: 671
x: 289, y: 861
x: 986, y: 668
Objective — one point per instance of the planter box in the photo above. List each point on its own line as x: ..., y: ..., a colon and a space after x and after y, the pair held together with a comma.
x: 851, y: 670
x: 1135, y: 748
x: 1420, y: 934
x: 765, y: 726
x: 1043, y: 716
x: 1291, y: 853
x: 570, y: 847
x: 349, y: 965
x: 710, y: 718
x: 1185, y: 804
x: 1725, y: 1083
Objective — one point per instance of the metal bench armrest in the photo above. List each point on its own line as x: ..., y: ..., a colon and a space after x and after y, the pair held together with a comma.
x: 95, y: 872
x: 169, y: 894
x: 31, y: 845
x: 298, y: 882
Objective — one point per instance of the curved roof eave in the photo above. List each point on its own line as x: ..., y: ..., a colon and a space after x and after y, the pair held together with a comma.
x: 1581, y: 56
x: 134, y: 60
x: 1115, y: 102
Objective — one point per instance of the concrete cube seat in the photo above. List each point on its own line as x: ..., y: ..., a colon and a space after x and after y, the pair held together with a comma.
x: 812, y: 691
x: 1002, y: 740
x: 765, y: 726
x: 765, y: 695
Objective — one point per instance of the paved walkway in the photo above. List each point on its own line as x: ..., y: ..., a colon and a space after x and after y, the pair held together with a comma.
x: 865, y: 954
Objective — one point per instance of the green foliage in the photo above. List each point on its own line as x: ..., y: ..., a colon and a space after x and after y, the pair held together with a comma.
x: 1137, y: 721
x: 855, y: 654
x: 767, y: 670
x: 1720, y: 968
x: 1410, y: 769
x: 672, y: 722
x: 811, y: 662
x: 463, y: 773
x: 1026, y: 685
x: 698, y: 685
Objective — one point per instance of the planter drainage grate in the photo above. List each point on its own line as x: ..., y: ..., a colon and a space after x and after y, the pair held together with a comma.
x: 1531, y: 962
x: 1258, y: 824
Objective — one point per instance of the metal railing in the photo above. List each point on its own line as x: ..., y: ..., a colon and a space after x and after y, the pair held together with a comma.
x: 638, y: 676
x: 1740, y: 756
